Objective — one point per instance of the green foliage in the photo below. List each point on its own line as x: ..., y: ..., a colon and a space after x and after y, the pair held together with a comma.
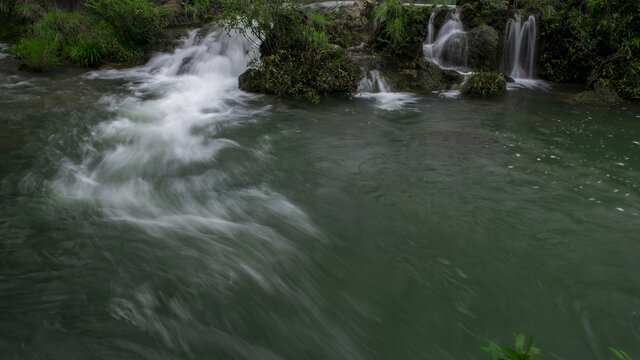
x: 392, y: 14
x: 399, y: 29
x: 485, y: 84
x: 196, y: 8
x: 498, y: 352
x: 135, y: 21
x: 4, y: 8
x: 584, y: 40
x: 71, y: 36
x: 39, y: 53
x: 620, y: 354
x: 296, y: 57
x: 28, y: 10
x: 307, y: 75
x: 344, y: 32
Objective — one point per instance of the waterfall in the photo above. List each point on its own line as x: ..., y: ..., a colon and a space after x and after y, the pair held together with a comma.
x: 450, y: 46
x: 373, y: 82
x: 520, y: 41
x: 431, y: 30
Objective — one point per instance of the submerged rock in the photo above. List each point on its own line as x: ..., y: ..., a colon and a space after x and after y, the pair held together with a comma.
x: 422, y: 77
x: 483, y: 48
x: 601, y: 92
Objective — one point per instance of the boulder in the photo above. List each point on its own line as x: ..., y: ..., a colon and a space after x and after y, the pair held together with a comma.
x: 601, y: 93
x: 483, y: 48
x: 421, y: 77
x: 361, y: 11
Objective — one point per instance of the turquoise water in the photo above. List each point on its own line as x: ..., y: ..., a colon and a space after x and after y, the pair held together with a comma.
x: 161, y: 213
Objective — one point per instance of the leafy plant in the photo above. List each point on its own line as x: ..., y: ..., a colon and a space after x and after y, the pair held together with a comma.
x: 620, y: 354
x: 135, y: 21
x: 399, y: 29
x: 484, y: 84
x: 583, y: 41
x: 498, y: 352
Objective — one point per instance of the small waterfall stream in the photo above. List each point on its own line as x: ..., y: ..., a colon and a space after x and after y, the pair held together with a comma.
x: 520, y: 41
x: 373, y: 82
x: 449, y: 48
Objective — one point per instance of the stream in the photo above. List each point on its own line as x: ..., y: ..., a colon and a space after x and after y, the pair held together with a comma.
x: 159, y: 212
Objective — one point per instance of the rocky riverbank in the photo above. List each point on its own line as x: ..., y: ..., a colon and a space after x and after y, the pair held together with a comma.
x: 312, y: 50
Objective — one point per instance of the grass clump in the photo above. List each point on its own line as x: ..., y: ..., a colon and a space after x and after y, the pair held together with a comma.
x: 38, y: 53
x: 485, y: 84
x: 61, y: 37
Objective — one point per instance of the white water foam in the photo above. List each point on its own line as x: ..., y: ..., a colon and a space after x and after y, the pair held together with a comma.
x: 374, y: 86
x: 156, y: 166
x: 4, y: 51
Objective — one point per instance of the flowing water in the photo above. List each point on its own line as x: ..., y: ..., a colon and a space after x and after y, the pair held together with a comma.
x: 520, y: 43
x: 161, y: 213
x: 449, y: 47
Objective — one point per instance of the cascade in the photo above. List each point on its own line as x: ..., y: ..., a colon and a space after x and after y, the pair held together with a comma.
x: 449, y: 48
x: 373, y: 82
x: 520, y: 41
x: 431, y: 30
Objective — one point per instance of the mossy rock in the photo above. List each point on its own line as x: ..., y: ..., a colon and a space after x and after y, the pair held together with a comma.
x: 421, y: 77
x: 483, y: 46
x: 303, y: 74
x: 602, y: 93
x: 484, y: 84
x: 252, y: 80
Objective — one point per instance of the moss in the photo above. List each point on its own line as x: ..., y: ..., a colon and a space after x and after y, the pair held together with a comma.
x: 484, y: 84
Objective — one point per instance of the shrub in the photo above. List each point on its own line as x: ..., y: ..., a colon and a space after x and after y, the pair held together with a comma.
x: 307, y: 75
x: 400, y: 29
x: 582, y: 41
x: 485, y: 84
x: 296, y: 57
x: 135, y: 21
